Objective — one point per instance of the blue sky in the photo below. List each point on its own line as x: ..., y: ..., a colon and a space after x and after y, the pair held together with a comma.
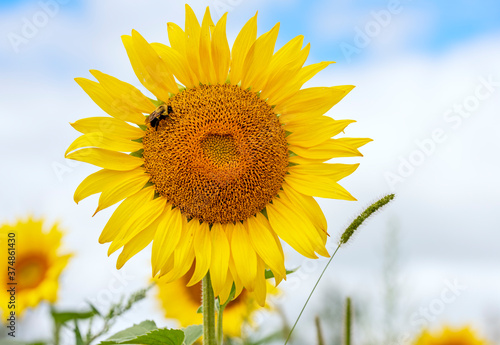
x: 431, y: 57
x: 438, y: 25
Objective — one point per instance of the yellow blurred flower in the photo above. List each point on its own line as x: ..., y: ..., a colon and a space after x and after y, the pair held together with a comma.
x: 228, y: 160
x: 450, y: 336
x: 181, y: 303
x: 37, y: 264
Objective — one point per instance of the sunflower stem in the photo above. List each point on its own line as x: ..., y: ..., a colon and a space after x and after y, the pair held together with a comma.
x: 208, y: 302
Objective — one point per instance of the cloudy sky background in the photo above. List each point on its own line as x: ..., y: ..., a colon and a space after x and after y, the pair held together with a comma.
x: 415, y: 64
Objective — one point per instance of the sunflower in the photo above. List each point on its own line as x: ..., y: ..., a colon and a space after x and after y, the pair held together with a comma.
x: 34, y: 255
x: 450, y: 336
x: 181, y: 303
x: 228, y: 160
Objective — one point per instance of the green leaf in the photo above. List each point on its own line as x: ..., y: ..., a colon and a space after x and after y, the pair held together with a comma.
x: 192, y: 334
x: 130, y: 333
x: 94, y: 309
x: 162, y: 336
x: 78, y: 335
x: 63, y: 317
x: 200, y: 310
x: 270, y: 274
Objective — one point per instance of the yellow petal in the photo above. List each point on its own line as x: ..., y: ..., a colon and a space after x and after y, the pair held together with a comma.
x: 305, y: 74
x: 184, y: 253
x: 263, y: 242
x: 206, y: 64
x: 221, y: 54
x: 166, y: 238
x: 99, y: 139
x: 301, y: 160
x: 257, y: 60
x: 354, y: 142
x: 226, y: 291
x: 244, y: 256
x: 309, y: 228
x: 242, y: 44
x: 334, y: 171
x: 311, y: 102
x: 106, y: 159
x: 290, y: 228
x: 97, y: 182
x: 314, y: 131
x: 310, y: 207
x: 320, y: 186
x: 331, y: 148
x: 203, y: 252
x: 288, y: 64
x: 140, y: 70
x: 192, y: 34
x: 158, y: 74
x: 124, y: 94
x: 260, y: 284
x: 138, y: 220
x: 220, y: 258
x: 287, y: 53
x: 177, y: 38
x: 108, y: 126
x: 123, y: 212
x: 177, y: 63
x: 136, y: 244
x: 122, y: 188
x: 109, y: 104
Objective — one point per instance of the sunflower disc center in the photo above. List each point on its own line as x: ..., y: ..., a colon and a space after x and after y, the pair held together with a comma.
x: 221, y: 155
x: 221, y: 150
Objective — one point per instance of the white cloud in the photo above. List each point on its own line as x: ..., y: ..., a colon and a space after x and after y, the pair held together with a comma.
x: 447, y: 207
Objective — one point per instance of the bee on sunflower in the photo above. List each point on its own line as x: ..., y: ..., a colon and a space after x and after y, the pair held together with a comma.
x: 224, y: 163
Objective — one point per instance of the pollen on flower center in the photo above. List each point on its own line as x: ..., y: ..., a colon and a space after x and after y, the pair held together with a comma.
x: 221, y: 150
x: 220, y: 156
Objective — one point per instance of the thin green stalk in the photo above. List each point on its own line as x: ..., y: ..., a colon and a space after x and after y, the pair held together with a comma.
x: 321, y: 340
x: 220, y: 334
x: 310, y: 295
x: 347, y: 322
x: 208, y: 302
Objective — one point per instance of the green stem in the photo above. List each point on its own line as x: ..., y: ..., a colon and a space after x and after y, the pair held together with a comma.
x: 347, y: 322
x: 208, y: 302
x: 220, y: 334
x: 308, y: 298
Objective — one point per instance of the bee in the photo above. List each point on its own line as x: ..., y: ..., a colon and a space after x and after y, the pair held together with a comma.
x: 160, y: 113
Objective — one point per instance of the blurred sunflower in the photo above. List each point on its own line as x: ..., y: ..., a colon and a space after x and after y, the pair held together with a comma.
x: 38, y: 264
x: 449, y: 336
x: 227, y: 162
x: 181, y: 303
